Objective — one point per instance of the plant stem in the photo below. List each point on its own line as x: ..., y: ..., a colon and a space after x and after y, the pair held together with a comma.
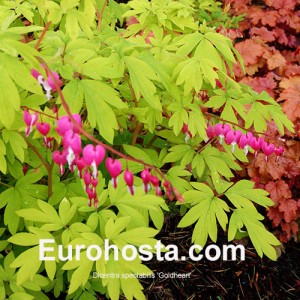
x: 39, y: 112
x: 50, y: 180
x: 136, y: 132
x: 46, y: 165
x: 100, y: 15
x: 5, y: 184
x: 151, y: 141
x: 37, y: 45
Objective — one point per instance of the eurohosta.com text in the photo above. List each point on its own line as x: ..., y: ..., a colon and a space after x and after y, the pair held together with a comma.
x: 144, y: 252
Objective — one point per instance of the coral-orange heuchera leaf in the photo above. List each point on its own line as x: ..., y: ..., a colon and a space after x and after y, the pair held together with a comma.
x: 250, y: 50
x: 275, y: 215
x: 278, y: 190
x: 289, y: 209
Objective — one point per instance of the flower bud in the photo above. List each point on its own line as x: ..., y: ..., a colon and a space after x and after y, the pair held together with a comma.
x: 129, y: 179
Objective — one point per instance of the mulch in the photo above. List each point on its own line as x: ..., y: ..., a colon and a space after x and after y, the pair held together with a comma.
x: 254, y: 278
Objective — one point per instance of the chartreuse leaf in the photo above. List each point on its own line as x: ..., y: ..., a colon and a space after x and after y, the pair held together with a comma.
x: 11, y: 218
x: 198, y: 165
x: 108, y: 67
x: 3, y: 164
x: 177, y: 152
x: 140, y: 208
x: 73, y: 95
x: 71, y: 25
x: 141, y: 78
x: 178, y: 118
x: 97, y: 96
x: 260, y: 112
x: 230, y: 102
x: 66, y: 211
x: 81, y: 274
x: 162, y: 73
x: 21, y: 295
x: 9, y: 98
x: 138, y: 153
x: 175, y: 175
x: 124, y: 278
x: 197, y: 123
x: 206, y: 50
x: 84, y: 265
x: 280, y: 119
x: 137, y: 237
x: 112, y: 228
x: 189, y: 73
x: 242, y: 194
x: 206, y: 210
x: 262, y: 240
x: 130, y: 285
x: 46, y: 214
x: 5, y: 196
x: 187, y: 43
x: 17, y: 143
x: 7, y: 273
x: 223, y: 45
x: 20, y: 74
x: 219, y: 162
x: 24, y: 239
x: 28, y: 52
x: 29, y: 263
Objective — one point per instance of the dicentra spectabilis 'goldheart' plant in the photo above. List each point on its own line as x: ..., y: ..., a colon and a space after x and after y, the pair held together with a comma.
x: 153, y: 108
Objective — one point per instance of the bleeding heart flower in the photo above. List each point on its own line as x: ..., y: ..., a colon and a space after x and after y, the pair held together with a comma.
x: 146, y: 177
x: 48, y: 84
x: 48, y: 142
x: 92, y: 195
x: 268, y: 149
x: 95, y: 182
x: 25, y: 168
x: 210, y: 132
x: 232, y: 138
x: 129, y: 179
x: 37, y: 75
x: 168, y: 188
x: 156, y: 183
x: 64, y: 124
x: 72, y: 143
x: 221, y: 130
x: 87, y: 178
x: 93, y: 156
x: 43, y: 128
x: 245, y: 141
x: 278, y: 152
x: 60, y: 158
x: 188, y: 134
x: 51, y: 82
x: 80, y: 164
x: 255, y: 144
x: 30, y: 120
x: 114, y: 168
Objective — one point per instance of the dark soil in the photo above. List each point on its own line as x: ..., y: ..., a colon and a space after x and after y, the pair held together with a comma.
x: 254, y: 278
